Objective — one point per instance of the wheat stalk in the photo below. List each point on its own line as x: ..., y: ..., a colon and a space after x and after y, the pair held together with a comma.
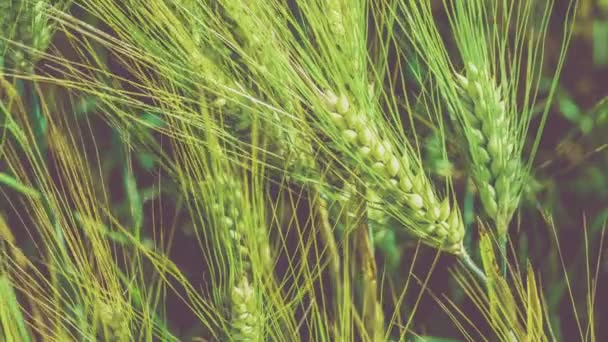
x: 266, y: 59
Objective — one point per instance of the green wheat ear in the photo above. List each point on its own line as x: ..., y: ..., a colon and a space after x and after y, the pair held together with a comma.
x: 502, y: 46
x: 495, y: 164
x: 26, y: 26
x: 395, y: 175
x: 327, y: 58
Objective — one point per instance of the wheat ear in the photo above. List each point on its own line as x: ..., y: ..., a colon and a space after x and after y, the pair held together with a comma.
x: 246, y: 307
x: 493, y: 150
x: 230, y: 208
x: 495, y: 97
x: 435, y: 222
x: 27, y: 24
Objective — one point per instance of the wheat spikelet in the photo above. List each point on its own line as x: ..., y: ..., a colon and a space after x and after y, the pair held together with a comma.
x: 228, y: 87
x: 253, y: 35
x: 335, y: 18
x: 247, y: 249
x: 232, y: 209
x: 493, y: 151
x: 436, y: 223
x: 112, y: 317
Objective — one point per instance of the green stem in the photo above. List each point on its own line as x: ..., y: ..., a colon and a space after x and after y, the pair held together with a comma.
x: 502, y: 230
x: 502, y: 244
x: 468, y: 262
x: 366, y: 267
